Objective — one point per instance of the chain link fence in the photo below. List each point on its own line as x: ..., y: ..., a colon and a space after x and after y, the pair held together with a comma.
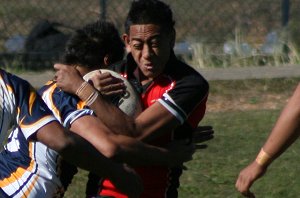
x: 33, y: 32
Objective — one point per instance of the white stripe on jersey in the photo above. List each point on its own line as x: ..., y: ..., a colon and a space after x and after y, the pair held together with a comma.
x: 173, y: 108
x: 7, y: 111
x: 75, y: 115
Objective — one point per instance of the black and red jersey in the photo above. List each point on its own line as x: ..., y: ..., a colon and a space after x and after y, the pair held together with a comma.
x: 181, y: 90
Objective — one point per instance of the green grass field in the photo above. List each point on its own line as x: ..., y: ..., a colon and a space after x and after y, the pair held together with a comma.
x: 238, y: 137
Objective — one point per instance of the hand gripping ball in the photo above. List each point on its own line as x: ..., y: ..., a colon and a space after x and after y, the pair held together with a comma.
x: 130, y: 102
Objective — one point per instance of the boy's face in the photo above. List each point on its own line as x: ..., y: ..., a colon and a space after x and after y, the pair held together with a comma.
x: 150, y: 48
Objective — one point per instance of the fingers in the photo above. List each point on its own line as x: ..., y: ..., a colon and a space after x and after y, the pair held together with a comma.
x: 113, y: 88
x: 247, y: 177
x: 107, y: 84
x: 106, y: 78
x: 204, y: 128
x: 202, y: 134
x: 243, y: 187
x: 200, y: 146
x: 67, y: 77
x: 200, y: 138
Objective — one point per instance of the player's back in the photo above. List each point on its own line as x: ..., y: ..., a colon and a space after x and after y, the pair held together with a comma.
x: 24, y: 164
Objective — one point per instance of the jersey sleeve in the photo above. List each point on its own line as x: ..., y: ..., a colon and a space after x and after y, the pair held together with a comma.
x: 189, y: 94
x: 31, y: 112
x: 66, y: 107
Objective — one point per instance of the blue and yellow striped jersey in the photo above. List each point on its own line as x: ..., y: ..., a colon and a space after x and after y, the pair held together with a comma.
x: 24, y: 112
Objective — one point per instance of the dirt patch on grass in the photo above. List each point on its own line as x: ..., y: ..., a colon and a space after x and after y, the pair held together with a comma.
x: 217, y: 103
x: 250, y: 95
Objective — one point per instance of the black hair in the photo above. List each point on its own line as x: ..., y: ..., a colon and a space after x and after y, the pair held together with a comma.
x: 89, y: 45
x: 150, y: 12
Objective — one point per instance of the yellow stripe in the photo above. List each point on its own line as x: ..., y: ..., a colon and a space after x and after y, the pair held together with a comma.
x: 23, y: 126
x: 19, y: 172
x: 49, y: 82
x: 32, y: 98
x: 81, y: 104
x: 9, y: 89
x: 53, y: 107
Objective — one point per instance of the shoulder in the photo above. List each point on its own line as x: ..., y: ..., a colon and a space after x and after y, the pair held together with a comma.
x: 58, y: 97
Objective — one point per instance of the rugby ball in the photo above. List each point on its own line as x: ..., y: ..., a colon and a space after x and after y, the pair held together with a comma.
x: 130, y: 102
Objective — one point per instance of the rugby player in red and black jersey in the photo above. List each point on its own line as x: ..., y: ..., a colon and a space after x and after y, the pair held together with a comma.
x: 174, y: 95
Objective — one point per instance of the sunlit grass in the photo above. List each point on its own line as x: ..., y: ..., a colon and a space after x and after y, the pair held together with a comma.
x: 212, y: 173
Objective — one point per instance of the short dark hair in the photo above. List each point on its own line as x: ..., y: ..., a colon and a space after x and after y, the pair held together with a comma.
x: 150, y: 12
x: 88, y: 45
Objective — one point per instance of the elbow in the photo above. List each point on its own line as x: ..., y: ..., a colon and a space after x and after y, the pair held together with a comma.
x: 65, y: 146
x: 112, y: 150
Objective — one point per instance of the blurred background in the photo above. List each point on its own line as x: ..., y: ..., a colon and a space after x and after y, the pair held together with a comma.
x: 220, y: 35
x: 213, y: 33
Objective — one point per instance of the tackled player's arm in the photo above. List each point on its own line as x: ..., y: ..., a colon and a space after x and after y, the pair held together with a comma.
x: 81, y: 153
x: 126, y: 149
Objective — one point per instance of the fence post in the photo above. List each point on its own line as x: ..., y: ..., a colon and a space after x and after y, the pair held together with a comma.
x: 102, y: 9
x: 285, y: 8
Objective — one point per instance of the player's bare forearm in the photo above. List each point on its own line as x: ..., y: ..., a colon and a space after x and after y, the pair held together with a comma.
x: 138, y: 153
x: 151, y: 123
x: 113, y: 117
x: 127, y: 149
x: 287, y: 127
x: 201, y: 135
x: 284, y: 133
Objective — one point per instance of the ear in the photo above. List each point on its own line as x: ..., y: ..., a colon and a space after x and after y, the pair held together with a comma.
x: 126, y: 40
x: 106, y: 60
